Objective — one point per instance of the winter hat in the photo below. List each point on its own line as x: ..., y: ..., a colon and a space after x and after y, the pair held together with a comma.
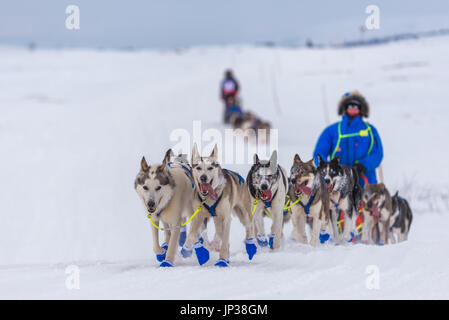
x: 353, y: 97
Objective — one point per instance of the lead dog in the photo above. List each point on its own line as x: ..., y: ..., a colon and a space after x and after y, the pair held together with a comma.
x: 401, y: 219
x: 218, y: 193
x: 268, y: 185
x: 309, y: 194
x: 344, y: 194
x: 167, y: 195
x: 377, y: 211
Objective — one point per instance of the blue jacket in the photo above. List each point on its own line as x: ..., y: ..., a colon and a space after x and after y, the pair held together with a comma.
x: 352, y: 149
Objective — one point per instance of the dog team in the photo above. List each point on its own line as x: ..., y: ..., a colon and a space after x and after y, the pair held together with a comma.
x: 178, y: 194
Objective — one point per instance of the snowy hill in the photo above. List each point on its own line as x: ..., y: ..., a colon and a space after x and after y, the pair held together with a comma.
x: 74, y: 125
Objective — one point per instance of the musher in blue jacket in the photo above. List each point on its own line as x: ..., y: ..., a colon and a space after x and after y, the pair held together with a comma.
x: 354, y: 140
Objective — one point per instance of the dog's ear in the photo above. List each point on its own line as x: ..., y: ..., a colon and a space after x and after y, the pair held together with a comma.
x: 311, y: 163
x: 214, y: 154
x: 320, y: 159
x: 336, y: 160
x: 144, y: 165
x: 297, y: 159
x: 168, y: 155
x: 195, y: 154
x: 274, y: 158
x: 256, y: 159
x: 396, y: 194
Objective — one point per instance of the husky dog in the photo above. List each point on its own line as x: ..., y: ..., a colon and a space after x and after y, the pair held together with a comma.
x: 377, y: 211
x: 344, y: 194
x: 310, y: 194
x: 268, y: 186
x: 218, y: 192
x: 167, y: 194
x: 401, y: 219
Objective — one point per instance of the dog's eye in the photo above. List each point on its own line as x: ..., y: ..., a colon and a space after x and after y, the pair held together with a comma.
x: 198, y: 168
x: 158, y: 188
x: 145, y: 188
x: 210, y: 168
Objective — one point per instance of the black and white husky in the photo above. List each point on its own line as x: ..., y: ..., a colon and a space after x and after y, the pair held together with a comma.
x: 268, y: 185
x: 401, y: 219
x: 345, y: 194
x: 218, y: 193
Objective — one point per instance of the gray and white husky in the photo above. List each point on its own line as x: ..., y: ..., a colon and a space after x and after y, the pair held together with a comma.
x: 167, y: 195
x: 309, y: 194
x: 377, y: 211
x: 401, y: 219
x: 268, y: 185
x: 218, y: 193
x: 344, y: 194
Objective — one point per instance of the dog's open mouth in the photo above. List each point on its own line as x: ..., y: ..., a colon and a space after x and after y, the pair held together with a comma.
x: 303, y: 188
x: 330, y: 187
x: 266, y: 195
x: 207, y: 190
x: 151, y: 210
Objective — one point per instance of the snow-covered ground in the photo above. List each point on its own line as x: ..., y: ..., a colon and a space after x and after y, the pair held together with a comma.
x: 74, y: 125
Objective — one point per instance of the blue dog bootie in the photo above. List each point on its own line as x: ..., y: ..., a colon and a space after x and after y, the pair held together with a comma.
x: 270, y: 240
x: 166, y: 263
x: 182, y: 236
x: 186, y: 252
x: 161, y: 256
x: 202, y: 253
x: 251, y: 248
x: 324, y: 236
x: 222, y: 263
x: 262, y: 240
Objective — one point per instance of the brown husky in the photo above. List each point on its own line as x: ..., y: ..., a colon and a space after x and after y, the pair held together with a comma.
x: 309, y: 194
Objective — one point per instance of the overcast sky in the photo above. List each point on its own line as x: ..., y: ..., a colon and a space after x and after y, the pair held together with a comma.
x: 181, y: 23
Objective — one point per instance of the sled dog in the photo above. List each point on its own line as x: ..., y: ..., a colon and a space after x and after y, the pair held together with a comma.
x: 167, y: 194
x: 218, y: 193
x: 268, y: 185
x: 344, y: 194
x: 401, y: 219
x: 377, y: 211
x: 310, y: 197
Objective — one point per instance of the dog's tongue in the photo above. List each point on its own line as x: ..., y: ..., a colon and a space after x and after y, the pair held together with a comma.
x: 266, y: 195
x: 376, y: 213
x: 304, y: 189
x: 207, y: 187
x: 330, y: 186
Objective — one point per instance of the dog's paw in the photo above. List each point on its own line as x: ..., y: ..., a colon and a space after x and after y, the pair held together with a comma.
x: 262, y: 240
x: 222, y: 263
x: 251, y: 248
x: 324, y: 236
x: 271, y: 240
x: 166, y: 263
x: 381, y: 243
x: 182, y: 236
x: 186, y: 252
x: 202, y: 253
x: 161, y: 256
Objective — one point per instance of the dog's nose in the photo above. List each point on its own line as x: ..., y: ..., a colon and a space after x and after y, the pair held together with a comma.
x: 264, y: 187
x: 151, y: 204
x: 292, y: 180
x: 327, y: 181
x: 203, y: 178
